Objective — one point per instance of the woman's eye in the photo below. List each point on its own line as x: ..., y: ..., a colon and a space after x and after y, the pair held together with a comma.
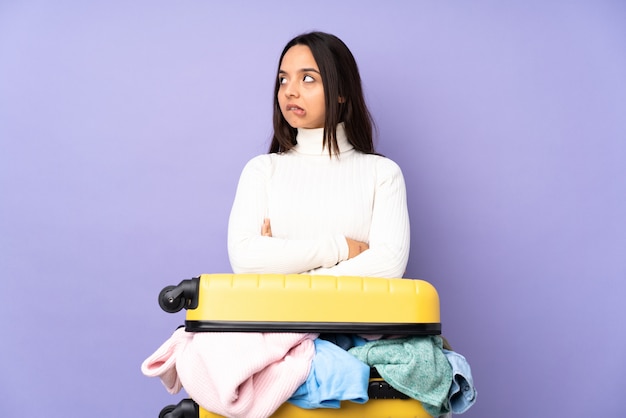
x: 282, y: 80
x: 308, y: 79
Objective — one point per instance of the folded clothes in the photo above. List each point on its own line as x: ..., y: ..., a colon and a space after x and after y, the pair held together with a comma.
x: 345, y: 341
x: 335, y: 376
x: 415, y: 366
x: 462, y: 394
x: 237, y: 375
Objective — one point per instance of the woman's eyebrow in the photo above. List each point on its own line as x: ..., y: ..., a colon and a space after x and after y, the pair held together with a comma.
x: 302, y: 70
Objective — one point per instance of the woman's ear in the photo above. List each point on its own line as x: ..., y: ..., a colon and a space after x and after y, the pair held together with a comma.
x: 342, y: 99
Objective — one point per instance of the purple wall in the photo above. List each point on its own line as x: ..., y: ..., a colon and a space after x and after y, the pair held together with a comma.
x: 124, y: 126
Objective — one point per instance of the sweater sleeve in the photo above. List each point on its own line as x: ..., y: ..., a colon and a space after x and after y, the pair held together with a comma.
x: 250, y: 252
x: 389, y: 238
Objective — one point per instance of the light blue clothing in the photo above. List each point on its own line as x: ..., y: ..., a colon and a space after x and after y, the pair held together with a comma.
x: 462, y: 393
x: 335, y: 376
x: 345, y: 341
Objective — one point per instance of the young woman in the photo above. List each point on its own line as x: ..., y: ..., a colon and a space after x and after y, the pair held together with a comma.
x: 321, y: 201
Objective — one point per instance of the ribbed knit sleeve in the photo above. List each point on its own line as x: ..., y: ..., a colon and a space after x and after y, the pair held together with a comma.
x: 389, y: 234
x: 249, y: 252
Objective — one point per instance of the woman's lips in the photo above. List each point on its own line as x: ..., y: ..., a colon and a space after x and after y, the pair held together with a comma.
x: 295, y: 109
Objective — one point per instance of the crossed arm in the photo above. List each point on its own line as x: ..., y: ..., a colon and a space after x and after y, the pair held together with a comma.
x: 354, y: 247
x: 252, y: 248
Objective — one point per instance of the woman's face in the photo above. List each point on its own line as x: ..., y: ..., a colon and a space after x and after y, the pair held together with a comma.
x: 301, y: 92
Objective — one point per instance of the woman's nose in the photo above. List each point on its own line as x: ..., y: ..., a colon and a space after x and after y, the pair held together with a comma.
x: 291, y: 89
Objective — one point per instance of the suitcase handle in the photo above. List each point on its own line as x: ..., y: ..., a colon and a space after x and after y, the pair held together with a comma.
x: 185, y: 295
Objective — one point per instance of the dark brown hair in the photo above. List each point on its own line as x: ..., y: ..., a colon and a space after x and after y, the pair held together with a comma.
x: 341, y: 79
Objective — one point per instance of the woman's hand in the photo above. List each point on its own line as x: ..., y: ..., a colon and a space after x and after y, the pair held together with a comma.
x: 266, y: 229
x: 356, y: 247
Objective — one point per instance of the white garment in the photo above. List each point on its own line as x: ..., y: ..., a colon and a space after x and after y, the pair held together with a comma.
x: 314, y: 202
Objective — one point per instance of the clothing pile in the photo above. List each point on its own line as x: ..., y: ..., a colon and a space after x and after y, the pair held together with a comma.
x: 245, y: 375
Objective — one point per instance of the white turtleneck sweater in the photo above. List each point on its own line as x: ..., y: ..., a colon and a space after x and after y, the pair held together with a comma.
x: 314, y: 202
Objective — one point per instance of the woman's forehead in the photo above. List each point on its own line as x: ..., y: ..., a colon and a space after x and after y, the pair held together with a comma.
x: 298, y: 58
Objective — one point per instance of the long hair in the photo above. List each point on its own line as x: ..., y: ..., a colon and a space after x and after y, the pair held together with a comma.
x: 343, y: 96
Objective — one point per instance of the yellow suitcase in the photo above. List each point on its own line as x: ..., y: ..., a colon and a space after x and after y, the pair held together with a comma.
x: 303, y: 303
x: 374, y: 408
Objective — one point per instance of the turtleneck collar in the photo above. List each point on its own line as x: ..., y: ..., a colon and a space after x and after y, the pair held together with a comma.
x: 309, y: 141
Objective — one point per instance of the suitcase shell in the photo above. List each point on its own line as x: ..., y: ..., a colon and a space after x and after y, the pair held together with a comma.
x: 374, y: 408
x: 378, y: 408
x: 392, y: 408
x: 307, y: 303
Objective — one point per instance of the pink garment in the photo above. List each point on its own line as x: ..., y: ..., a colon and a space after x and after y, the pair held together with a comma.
x: 237, y: 375
x: 163, y: 362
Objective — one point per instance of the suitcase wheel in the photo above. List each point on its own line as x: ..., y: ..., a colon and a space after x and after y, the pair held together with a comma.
x: 185, y: 295
x: 165, y: 412
x: 186, y: 408
x: 170, y: 302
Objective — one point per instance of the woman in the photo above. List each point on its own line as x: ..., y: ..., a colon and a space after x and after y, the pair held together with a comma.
x: 321, y: 201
